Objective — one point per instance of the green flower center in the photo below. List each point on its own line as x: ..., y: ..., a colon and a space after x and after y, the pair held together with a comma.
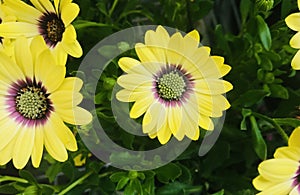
x: 171, y: 86
x: 31, y: 102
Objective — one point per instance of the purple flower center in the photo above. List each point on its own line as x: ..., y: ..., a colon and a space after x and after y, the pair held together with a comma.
x: 52, y: 28
x: 28, y: 101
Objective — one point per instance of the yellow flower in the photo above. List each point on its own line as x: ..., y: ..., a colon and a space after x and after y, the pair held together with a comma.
x: 52, y: 22
x: 36, y: 99
x: 175, y: 83
x: 6, y: 44
x: 281, y: 175
x: 293, y: 22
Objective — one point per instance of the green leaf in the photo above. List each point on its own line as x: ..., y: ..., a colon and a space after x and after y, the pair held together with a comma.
x: 122, y: 182
x: 250, y: 98
x: 278, y: 91
x: 288, y: 121
x: 53, y: 170
x: 168, y: 172
x: 246, y: 113
x: 259, y: 143
x: 219, y: 193
x: 28, y: 176
x: 32, y: 190
x: 244, y: 9
x: 264, y: 32
x: 8, y: 189
x: 115, y: 177
x: 266, y: 63
x: 177, y: 188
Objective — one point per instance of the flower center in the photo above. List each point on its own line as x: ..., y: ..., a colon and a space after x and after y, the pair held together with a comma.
x: 31, y: 102
x: 171, y: 86
x: 52, y: 28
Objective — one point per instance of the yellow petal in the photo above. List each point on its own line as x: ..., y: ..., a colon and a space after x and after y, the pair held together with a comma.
x: 280, y: 188
x: 18, y: 29
x: 71, y: 84
x: 10, y: 72
x: 37, y: 46
x: 75, y: 116
x: 69, y: 12
x: 64, y: 133
x: 140, y: 106
x: 65, y: 99
x: 293, y: 21
x: 69, y: 42
x: 290, y: 152
x: 147, y: 57
x: 261, y: 183
x: 23, y: 11
x: 43, y: 5
x: 7, y: 152
x: 23, y: 57
x: 296, y: 61
x: 151, y: 117
x: 295, y: 41
x: 192, y: 118
x: 133, y: 66
x: 60, y: 54
x: 159, y: 37
x: 131, y: 96
x: 278, y: 169
x: 175, y: 118
x: 37, y: 151
x: 73, y: 49
x: 294, y: 138
x: 133, y: 81
x: 212, y: 86
x: 9, y: 130
x: 174, y: 52
x: 212, y: 105
x: 191, y: 43
x: 53, y: 144
x: 164, y: 133
x: 127, y: 64
x: 23, y: 147
x: 206, y: 123
x: 63, y: 3
x: 48, y: 73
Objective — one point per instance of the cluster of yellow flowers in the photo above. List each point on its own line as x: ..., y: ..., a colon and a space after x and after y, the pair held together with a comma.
x: 281, y: 175
x: 35, y: 96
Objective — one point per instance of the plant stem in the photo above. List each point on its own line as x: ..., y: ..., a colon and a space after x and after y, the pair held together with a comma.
x: 112, y: 8
x: 75, y: 183
x: 11, y: 178
x: 80, y: 180
x: 275, y: 125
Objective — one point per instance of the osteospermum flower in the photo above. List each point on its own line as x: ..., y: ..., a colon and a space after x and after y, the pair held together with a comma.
x: 36, y: 99
x: 175, y: 83
x: 6, y: 44
x: 281, y: 175
x: 52, y: 22
x: 292, y: 22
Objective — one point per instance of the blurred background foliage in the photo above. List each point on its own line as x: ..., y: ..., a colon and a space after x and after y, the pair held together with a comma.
x: 253, y: 38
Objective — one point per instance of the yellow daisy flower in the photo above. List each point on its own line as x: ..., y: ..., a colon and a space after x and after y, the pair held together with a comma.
x: 52, y: 22
x: 281, y: 175
x: 293, y: 22
x: 175, y: 83
x: 6, y: 44
x: 36, y: 99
